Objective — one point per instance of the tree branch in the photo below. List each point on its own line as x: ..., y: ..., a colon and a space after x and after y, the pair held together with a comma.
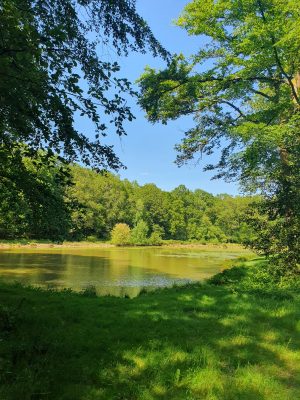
x: 232, y: 81
x: 262, y: 94
x: 237, y: 109
x: 273, y: 41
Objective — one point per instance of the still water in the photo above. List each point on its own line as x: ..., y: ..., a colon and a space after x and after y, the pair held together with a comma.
x: 114, y: 271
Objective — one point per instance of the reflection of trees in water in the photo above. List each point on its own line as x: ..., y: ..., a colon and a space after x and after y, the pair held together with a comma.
x: 114, y: 271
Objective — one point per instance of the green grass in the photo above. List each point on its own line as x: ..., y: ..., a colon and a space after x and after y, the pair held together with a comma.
x: 195, y: 342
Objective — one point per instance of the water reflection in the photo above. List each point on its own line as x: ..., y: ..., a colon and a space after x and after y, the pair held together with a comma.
x: 114, y: 271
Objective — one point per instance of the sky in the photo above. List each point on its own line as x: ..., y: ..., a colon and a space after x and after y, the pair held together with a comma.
x: 148, y: 150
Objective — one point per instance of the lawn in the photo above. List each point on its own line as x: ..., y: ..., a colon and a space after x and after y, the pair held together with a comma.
x: 193, y: 342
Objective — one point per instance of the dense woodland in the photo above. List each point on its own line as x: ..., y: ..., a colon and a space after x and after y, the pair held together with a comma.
x: 87, y: 205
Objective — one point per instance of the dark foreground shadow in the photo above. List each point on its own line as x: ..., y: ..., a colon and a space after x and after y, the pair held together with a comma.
x: 185, y: 343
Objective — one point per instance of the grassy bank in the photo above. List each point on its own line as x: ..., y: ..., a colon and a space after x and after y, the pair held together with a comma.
x: 194, y: 342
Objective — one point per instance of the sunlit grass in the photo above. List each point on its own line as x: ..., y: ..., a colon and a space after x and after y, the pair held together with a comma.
x: 194, y: 342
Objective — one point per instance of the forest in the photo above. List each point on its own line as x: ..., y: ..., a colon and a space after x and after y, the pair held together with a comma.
x: 89, y: 205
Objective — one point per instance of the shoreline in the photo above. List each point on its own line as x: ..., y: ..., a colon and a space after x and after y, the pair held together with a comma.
x: 85, y: 244
x: 48, y: 245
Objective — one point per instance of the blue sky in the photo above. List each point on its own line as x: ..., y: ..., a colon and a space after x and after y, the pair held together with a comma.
x: 148, y: 150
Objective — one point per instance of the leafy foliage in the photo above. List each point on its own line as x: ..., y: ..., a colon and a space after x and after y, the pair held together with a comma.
x: 276, y: 236
x: 32, y: 190
x: 139, y: 233
x: 242, y: 87
x: 101, y: 201
x: 52, y: 73
x: 104, y: 200
x: 90, y: 207
x: 257, y: 275
x: 155, y: 239
x: 120, y: 235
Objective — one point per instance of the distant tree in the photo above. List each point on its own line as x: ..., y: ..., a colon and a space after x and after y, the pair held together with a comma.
x: 139, y: 233
x: 155, y: 206
x: 229, y: 213
x: 208, y: 232
x: 155, y: 239
x: 120, y: 235
x: 100, y: 201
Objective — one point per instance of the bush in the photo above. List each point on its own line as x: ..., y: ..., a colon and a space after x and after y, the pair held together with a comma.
x: 120, y: 235
x: 89, y: 291
x: 92, y: 239
x: 155, y: 239
x: 139, y: 233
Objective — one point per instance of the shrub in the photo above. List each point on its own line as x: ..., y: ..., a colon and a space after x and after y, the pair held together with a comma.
x: 155, y: 239
x: 139, y: 233
x: 92, y: 239
x: 120, y: 235
x: 89, y: 291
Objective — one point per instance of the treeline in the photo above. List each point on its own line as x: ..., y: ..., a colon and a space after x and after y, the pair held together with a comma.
x: 88, y: 205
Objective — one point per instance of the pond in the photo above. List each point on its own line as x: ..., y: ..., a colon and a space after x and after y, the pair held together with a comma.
x: 112, y: 270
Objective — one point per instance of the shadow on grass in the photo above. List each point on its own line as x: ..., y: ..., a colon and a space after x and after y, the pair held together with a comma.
x: 181, y: 343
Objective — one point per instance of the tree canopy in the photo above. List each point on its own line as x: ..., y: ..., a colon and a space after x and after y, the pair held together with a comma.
x: 40, y: 205
x: 242, y: 87
x: 52, y: 71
